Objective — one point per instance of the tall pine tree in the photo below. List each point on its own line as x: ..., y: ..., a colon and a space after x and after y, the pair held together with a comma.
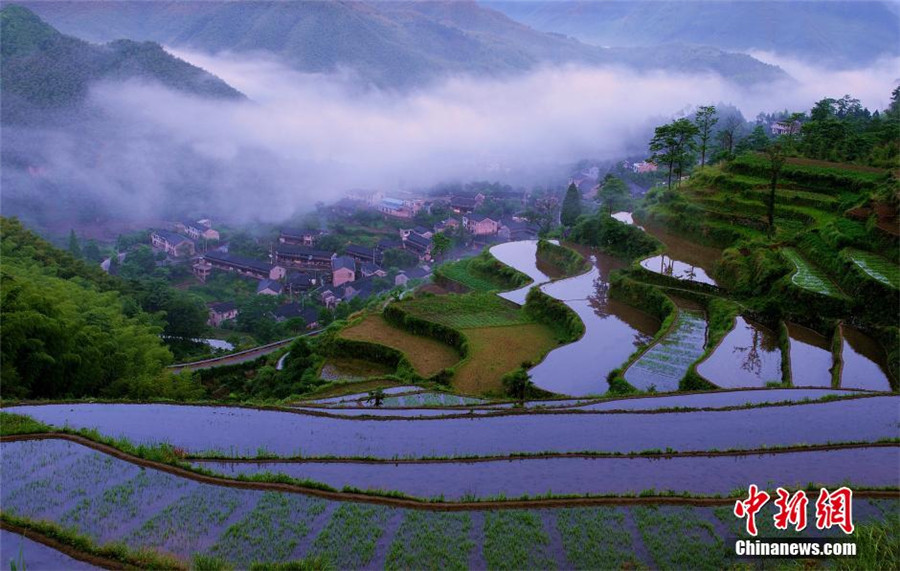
x: 571, y: 206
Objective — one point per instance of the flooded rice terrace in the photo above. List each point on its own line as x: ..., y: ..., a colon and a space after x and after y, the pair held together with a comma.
x: 522, y: 255
x: 683, y: 259
x: 747, y: 357
x: 870, y: 467
x: 865, y: 364
x: 244, y: 431
x: 811, y: 359
x: 613, y: 330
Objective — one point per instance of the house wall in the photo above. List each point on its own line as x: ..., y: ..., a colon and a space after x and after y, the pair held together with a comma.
x: 341, y: 276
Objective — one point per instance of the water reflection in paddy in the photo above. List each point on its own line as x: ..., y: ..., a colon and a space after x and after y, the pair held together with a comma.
x: 522, y: 255
x: 612, y: 332
x: 811, y: 358
x: 683, y: 259
x: 747, y: 357
x: 865, y: 365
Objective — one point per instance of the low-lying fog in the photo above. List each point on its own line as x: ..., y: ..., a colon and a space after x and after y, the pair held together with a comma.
x: 305, y: 138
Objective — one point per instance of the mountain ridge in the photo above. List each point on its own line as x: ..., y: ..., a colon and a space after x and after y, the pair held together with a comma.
x: 390, y: 44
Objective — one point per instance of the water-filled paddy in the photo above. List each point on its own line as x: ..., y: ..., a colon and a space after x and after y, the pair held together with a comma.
x: 668, y: 266
x: 613, y: 331
x: 865, y: 365
x: 239, y: 431
x: 747, y: 357
x: 521, y: 255
x: 662, y: 367
x: 512, y: 478
x: 718, y: 399
x: 811, y: 358
x: 249, y: 525
x: 22, y: 553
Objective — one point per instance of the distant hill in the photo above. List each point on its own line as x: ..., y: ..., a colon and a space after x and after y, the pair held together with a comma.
x: 43, y: 69
x: 389, y: 44
x: 841, y: 32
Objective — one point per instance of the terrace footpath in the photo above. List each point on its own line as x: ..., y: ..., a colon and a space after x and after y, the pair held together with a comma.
x: 240, y: 356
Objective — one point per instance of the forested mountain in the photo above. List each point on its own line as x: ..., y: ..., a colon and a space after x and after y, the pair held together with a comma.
x: 390, y: 44
x: 835, y: 32
x: 44, y: 69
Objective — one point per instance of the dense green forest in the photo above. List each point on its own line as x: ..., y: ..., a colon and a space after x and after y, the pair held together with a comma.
x: 70, y: 330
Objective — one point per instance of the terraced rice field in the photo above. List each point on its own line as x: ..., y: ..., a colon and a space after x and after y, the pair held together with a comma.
x: 747, y: 357
x: 513, y: 478
x: 427, y: 355
x: 467, y: 311
x: 242, y: 526
x: 668, y: 266
x: 877, y: 267
x: 495, y: 351
x: 808, y: 276
x: 349, y: 369
x: 235, y: 431
x: 663, y: 366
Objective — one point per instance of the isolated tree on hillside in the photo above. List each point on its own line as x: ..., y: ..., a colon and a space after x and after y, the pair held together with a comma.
x: 728, y: 136
x: 673, y: 145
x: 440, y: 244
x: 705, y: 120
x: 776, y: 155
x: 571, y: 206
x: 74, y: 245
x: 613, y: 193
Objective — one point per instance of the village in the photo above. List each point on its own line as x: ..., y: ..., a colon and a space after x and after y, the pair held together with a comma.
x: 316, y: 271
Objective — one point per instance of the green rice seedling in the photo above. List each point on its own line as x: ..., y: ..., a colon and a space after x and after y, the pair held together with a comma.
x: 664, y: 365
x: 876, y: 267
x: 270, y: 532
x: 431, y: 540
x: 808, y: 276
x: 102, y: 516
x: 516, y: 539
x: 678, y: 539
x: 180, y: 527
x: 349, y: 539
x: 595, y: 538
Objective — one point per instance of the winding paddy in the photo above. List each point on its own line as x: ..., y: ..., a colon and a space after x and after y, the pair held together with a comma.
x: 240, y: 431
x: 747, y: 357
x: 613, y: 331
x: 521, y: 255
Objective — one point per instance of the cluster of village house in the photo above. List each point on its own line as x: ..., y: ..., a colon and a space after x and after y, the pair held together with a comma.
x: 296, y: 266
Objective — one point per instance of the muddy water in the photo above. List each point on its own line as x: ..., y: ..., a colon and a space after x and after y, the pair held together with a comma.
x: 747, y: 357
x: 865, y: 365
x: 811, y: 358
x: 683, y: 259
x: 522, y: 255
x: 613, y: 331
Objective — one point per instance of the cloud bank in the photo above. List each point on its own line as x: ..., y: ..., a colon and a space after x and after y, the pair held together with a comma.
x: 148, y: 152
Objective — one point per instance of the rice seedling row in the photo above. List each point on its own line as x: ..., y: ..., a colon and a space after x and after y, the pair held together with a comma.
x: 22, y: 553
x: 431, y: 540
x: 246, y: 526
x: 662, y: 367
x: 808, y: 276
x: 516, y: 539
x: 270, y: 532
x: 349, y: 538
x: 596, y: 538
x: 877, y: 267
x: 679, y: 538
